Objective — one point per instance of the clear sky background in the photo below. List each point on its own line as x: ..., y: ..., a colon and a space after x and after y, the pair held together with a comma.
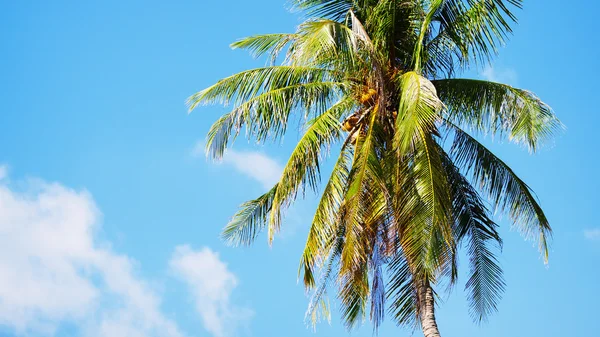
x: 110, y: 221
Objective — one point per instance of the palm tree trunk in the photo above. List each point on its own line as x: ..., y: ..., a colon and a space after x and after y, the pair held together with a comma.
x: 428, y: 323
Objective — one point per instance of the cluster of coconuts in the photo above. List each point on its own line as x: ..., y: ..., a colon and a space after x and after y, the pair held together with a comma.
x: 367, y: 98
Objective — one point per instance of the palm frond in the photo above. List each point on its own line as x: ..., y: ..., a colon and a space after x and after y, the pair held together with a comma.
x: 332, y: 9
x: 473, y: 224
x: 418, y: 111
x: 259, y: 45
x: 378, y: 288
x: 359, y: 217
x: 425, y: 29
x: 223, y: 132
x: 506, y: 190
x: 303, y: 166
x: 401, y: 292
x: 498, y: 109
x: 359, y: 30
x: 242, y: 86
x: 431, y: 182
x: 249, y: 221
x: 353, y: 294
x: 326, y: 218
x: 476, y: 28
x: 361, y: 174
x: 265, y: 104
x: 318, y: 307
x: 393, y: 26
x: 415, y: 125
x: 328, y: 44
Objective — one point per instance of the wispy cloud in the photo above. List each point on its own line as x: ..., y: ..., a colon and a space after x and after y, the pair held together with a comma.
x: 255, y: 165
x: 53, y: 269
x: 211, y: 284
x: 502, y: 75
x: 3, y: 171
x: 592, y: 234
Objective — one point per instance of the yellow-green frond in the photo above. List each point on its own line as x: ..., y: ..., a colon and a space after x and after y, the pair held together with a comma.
x: 303, y: 166
x: 249, y: 221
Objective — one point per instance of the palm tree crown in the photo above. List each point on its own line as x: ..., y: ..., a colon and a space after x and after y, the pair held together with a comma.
x: 377, y: 79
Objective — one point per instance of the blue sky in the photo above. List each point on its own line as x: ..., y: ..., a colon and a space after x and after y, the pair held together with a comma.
x: 110, y: 221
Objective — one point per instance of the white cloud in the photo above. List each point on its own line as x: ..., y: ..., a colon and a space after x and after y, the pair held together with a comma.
x: 255, y: 165
x: 502, y: 75
x: 54, y: 270
x: 211, y: 284
x: 592, y: 234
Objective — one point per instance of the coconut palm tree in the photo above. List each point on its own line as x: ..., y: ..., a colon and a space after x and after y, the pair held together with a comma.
x: 377, y: 81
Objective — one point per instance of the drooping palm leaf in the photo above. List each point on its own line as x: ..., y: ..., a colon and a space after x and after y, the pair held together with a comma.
x: 325, y: 221
x: 249, y: 221
x: 318, y: 306
x: 473, y: 224
x: 498, y: 109
x: 354, y: 280
x: 417, y: 115
x: 475, y: 28
x: 264, y: 98
x: 507, y: 191
x: 303, y: 166
x: 402, y: 293
x: 418, y: 111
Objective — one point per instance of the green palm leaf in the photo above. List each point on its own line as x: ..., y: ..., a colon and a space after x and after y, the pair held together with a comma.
x: 473, y: 224
x: 327, y: 215
x: 475, y: 28
x: 259, y: 45
x: 402, y: 292
x: 241, y: 87
x: 303, y: 166
x: 498, y: 109
x: 506, y: 190
x: 333, y: 9
x: 249, y: 221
